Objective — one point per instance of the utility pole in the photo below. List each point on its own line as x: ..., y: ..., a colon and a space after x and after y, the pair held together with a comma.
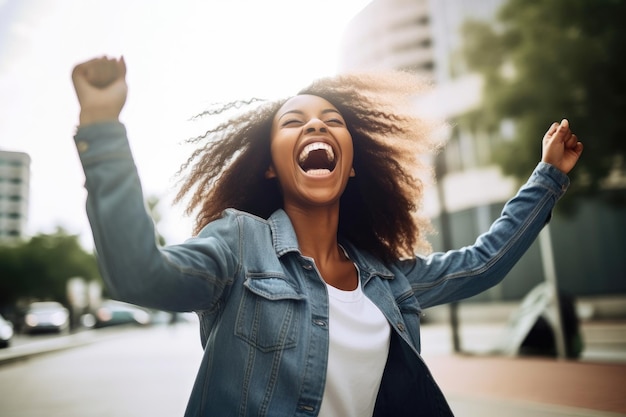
x: 446, y: 241
x: 549, y: 270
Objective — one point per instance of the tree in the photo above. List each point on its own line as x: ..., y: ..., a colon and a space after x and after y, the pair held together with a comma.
x: 546, y: 60
x: 41, y: 267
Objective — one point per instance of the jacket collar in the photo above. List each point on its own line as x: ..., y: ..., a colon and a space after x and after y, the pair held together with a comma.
x: 285, y: 240
x: 283, y: 234
x: 367, y: 263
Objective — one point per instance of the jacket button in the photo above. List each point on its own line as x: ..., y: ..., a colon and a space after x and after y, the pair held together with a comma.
x: 320, y: 323
x: 308, y: 267
x: 82, y: 146
x: 401, y: 327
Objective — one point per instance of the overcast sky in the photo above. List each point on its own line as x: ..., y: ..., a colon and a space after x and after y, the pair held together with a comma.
x: 181, y: 55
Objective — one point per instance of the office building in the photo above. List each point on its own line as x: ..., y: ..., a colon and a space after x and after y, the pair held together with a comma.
x: 393, y: 34
x: 14, y: 195
x: 424, y: 36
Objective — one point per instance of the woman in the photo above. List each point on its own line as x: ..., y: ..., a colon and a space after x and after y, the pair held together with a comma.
x: 302, y: 268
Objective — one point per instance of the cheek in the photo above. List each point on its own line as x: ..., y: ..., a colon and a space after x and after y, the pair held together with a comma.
x: 281, y: 154
x: 348, y: 150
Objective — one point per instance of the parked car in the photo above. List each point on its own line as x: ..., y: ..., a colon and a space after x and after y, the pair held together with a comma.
x: 46, y: 316
x: 6, y: 332
x: 112, y: 312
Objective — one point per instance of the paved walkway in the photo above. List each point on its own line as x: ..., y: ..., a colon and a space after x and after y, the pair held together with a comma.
x: 482, y: 385
x: 538, y: 387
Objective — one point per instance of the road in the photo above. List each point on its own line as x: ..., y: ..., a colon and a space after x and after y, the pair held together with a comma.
x: 143, y: 372
x: 119, y: 372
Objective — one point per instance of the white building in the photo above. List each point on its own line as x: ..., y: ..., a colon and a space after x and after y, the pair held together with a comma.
x: 390, y: 34
x: 424, y: 37
x: 14, y: 193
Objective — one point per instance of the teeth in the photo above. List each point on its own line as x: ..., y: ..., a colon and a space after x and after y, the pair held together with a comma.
x: 318, y: 171
x: 315, y: 146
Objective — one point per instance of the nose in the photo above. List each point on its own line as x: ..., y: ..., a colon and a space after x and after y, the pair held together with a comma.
x: 315, y: 125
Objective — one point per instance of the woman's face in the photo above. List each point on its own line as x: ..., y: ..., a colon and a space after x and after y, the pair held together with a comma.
x: 312, y: 152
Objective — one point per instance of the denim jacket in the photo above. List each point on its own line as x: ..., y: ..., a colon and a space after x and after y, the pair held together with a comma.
x: 263, y: 306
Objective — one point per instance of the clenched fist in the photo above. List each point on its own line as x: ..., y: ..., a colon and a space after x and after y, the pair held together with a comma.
x: 561, y: 146
x: 100, y: 85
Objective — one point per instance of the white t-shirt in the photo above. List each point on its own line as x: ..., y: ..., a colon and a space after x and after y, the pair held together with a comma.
x: 359, y: 344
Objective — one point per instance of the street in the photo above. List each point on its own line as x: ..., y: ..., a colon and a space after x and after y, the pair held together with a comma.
x: 143, y: 372
x: 133, y: 371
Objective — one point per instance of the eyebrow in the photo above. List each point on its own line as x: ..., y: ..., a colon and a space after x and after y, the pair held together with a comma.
x: 300, y: 112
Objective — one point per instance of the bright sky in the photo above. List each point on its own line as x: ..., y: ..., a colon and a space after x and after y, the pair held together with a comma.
x: 181, y: 55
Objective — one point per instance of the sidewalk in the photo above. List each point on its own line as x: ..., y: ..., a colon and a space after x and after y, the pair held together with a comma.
x: 532, y: 387
x: 480, y: 384
x: 49, y: 345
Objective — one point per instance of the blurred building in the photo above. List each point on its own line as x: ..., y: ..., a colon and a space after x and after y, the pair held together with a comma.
x: 14, y: 193
x: 390, y: 34
x: 424, y: 36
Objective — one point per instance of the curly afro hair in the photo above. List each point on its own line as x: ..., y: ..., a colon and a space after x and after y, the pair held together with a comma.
x: 379, y: 208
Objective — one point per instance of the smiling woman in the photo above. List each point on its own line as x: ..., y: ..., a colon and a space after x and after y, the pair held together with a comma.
x: 346, y: 116
x: 306, y: 132
x: 303, y: 267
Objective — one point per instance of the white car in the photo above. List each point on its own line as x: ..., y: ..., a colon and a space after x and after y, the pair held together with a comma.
x: 44, y: 316
x: 6, y: 332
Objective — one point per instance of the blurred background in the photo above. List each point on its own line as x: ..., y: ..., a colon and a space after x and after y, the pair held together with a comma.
x: 501, y: 72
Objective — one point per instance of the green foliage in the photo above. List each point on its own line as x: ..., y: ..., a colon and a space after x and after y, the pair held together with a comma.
x: 41, y: 267
x: 548, y: 60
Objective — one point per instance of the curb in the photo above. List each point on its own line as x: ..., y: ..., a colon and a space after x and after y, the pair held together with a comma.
x: 57, y: 344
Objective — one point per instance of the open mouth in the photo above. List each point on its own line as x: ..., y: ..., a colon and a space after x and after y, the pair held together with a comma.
x: 317, y: 158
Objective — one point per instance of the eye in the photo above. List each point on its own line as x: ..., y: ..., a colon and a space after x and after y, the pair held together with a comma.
x: 291, y: 122
x: 335, y: 122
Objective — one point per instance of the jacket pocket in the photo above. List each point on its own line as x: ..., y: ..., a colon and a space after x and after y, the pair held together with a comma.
x: 269, y: 313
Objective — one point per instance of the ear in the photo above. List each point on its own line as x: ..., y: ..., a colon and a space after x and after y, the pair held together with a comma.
x: 270, y: 173
x: 352, y: 172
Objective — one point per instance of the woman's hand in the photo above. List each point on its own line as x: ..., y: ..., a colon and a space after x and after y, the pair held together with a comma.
x: 561, y: 147
x: 100, y: 85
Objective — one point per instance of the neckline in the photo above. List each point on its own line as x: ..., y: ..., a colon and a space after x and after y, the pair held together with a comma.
x: 347, y: 296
